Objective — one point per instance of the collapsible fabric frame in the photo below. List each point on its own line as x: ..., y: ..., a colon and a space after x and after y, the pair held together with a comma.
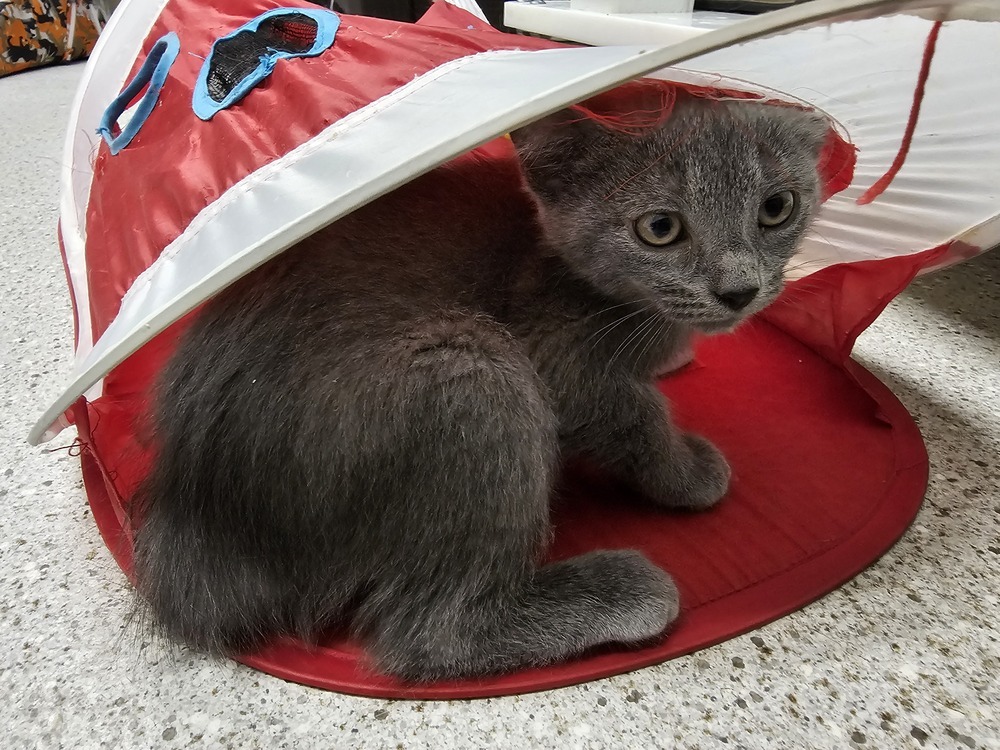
x: 187, y: 206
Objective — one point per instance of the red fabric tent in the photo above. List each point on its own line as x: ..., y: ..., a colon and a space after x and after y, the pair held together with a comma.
x: 829, y: 468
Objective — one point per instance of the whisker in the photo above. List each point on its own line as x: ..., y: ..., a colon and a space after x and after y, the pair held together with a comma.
x: 656, y: 331
x: 611, y: 326
x: 613, y: 307
x: 624, y: 345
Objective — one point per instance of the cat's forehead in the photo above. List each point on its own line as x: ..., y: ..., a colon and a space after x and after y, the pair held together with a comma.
x: 722, y: 149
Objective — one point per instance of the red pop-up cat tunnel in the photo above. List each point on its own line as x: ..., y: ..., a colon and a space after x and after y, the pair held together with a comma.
x: 229, y: 132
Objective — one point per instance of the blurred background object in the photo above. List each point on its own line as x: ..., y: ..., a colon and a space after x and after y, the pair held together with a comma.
x: 42, y: 32
x: 406, y: 10
x: 744, y: 6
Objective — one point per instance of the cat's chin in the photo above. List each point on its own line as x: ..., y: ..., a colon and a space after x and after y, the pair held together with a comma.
x: 713, y: 327
x: 728, y: 324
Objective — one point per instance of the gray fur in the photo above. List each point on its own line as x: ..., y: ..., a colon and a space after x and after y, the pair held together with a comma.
x: 363, y: 434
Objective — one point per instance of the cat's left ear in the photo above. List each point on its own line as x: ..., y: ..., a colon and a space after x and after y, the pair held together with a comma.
x: 805, y: 128
x: 551, y: 150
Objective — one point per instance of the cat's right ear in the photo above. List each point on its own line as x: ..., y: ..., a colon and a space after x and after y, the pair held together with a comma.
x: 551, y: 151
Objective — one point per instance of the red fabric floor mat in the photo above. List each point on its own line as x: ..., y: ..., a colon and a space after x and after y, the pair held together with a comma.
x: 828, y: 471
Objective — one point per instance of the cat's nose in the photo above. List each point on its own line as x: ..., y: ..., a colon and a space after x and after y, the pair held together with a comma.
x: 737, y: 299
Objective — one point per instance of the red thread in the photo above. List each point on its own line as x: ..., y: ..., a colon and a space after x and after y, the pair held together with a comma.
x: 646, y: 103
x: 632, y: 108
x: 74, y: 449
x: 911, y: 124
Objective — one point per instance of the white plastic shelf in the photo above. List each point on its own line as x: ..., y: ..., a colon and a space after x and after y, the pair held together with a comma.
x: 556, y: 19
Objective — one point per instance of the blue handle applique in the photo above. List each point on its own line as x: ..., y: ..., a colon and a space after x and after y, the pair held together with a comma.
x: 154, y: 73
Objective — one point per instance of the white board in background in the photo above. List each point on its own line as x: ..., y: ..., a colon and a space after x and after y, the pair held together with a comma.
x: 556, y: 19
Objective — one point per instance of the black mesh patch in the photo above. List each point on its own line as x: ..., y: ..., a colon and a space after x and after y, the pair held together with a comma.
x: 292, y: 33
x: 235, y: 58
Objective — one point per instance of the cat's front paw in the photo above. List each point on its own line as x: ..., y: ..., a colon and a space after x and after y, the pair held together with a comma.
x: 708, y: 475
x: 695, y: 476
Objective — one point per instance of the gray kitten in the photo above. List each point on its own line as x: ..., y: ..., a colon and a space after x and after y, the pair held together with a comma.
x: 363, y: 434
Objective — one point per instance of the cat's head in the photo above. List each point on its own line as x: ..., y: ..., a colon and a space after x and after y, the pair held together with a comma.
x: 698, y: 215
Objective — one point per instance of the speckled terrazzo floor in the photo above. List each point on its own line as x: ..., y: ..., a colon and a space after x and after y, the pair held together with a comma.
x: 905, y: 656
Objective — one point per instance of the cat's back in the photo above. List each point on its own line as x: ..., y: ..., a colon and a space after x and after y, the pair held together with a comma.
x: 454, y: 239
x: 445, y: 249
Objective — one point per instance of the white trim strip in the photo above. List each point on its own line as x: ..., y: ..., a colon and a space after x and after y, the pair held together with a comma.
x: 110, y: 63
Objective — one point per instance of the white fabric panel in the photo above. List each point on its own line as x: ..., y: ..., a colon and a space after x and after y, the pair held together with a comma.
x: 863, y: 73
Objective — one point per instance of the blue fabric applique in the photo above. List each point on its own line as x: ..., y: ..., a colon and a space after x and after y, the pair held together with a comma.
x: 240, y: 60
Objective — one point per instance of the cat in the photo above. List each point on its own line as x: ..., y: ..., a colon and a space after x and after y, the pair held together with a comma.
x: 363, y: 433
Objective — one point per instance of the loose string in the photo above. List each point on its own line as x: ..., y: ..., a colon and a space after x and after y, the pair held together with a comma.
x: 632, y: 109
x: 911, y: 124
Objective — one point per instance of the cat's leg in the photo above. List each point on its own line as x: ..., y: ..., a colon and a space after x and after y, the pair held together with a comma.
x: 625, y: 427
x: 563, y: 609
x: 457, y: 591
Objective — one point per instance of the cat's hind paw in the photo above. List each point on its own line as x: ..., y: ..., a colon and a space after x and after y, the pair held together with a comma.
x: 645, y: 597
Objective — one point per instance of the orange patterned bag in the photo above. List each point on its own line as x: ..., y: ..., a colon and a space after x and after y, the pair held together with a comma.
x: 41, y: 32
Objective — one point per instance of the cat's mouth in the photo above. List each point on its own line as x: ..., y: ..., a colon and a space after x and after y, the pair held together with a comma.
x: 701, y: 310
x: 719, y: 319
x: 704, y: 317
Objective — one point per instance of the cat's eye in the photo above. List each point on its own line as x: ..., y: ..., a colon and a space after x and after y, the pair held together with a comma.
x: 659, y: 228
x: 776, y: 209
